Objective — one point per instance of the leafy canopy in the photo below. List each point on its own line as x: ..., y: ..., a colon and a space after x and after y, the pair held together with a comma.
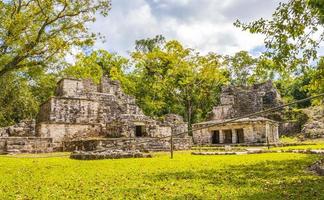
x: 170, y: 78
x: 38, y: 33
x: 293, y: 35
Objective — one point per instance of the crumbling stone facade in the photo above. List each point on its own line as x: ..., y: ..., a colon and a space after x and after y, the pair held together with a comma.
x: 236, y: 102
x: 246, y: 130
x: 239, y: 101
x: 25, y: 128
x: 82, y: 109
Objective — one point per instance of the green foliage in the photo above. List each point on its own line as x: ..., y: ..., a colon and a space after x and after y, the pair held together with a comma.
x: 99, y: 63
x: 241, y: 67
x: 291, y: 33
x: 39, y: 33
x: 294, y: 88
x: 259, y: 176
x: 170, y: 78
x: 316, y: 85
x: 22, y: 93
x: 296, y: 115
x: 319, y: 6
x: 308, y: 83
x: 17, y: 101
x: 149, y: 44
x: 288, y: 139
x: 43, y: 86
x: 245, y: 70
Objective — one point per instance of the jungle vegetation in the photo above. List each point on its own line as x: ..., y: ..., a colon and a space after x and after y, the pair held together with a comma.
x: 164, y: 75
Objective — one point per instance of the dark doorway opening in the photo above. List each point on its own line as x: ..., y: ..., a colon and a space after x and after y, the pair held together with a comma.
x: 228, y: 136
x: 240, y: 135
x: 215, y: 137
x: 139, y: 131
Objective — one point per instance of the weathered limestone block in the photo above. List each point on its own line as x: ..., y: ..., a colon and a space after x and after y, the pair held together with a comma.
x: 70, y: 88
x: 239, y: 101
x: 61, y: 131
x: 25, y: 145
x: 23, y: 129
x: 179, y: 128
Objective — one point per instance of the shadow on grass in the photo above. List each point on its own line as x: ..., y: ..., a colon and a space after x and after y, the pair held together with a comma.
x: 266, y: 180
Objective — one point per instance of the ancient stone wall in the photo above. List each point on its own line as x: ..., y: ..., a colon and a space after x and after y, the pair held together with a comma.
x: 25, y: 128
x: 82, y: 109
x: 69, y: 110
x: 255, y: 131
x: 239, y: 101
x: 143, y: 144
x: 177, y: 125
x: 66, y: 131
x: 25, y: 145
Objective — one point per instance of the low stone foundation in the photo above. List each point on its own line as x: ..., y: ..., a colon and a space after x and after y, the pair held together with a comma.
x: 142, y: 144
x: 108, y: 154
x: 25, y: 145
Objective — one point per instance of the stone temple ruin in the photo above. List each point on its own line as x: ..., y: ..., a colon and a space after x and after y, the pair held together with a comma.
x: 236, y: 102
x: 87, y: 116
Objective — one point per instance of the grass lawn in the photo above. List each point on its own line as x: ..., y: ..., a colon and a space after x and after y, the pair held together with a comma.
x: 309, y: 146
x: 256, y: 176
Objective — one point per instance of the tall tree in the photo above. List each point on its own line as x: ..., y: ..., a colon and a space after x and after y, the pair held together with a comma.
x: 37, y: 33
x: 170, y: 78
x: 293, y: 35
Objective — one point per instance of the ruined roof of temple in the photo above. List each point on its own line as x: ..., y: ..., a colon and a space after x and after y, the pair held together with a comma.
x: 268, y: 85
x: 83, y: 101
x: 107, y: 89
x: 238, y: 101
x: 242, y: 120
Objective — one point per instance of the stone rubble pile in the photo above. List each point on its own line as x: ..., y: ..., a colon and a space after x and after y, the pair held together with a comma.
x: 108, y: 154
x: 314, y: 127
x: 318, y: 167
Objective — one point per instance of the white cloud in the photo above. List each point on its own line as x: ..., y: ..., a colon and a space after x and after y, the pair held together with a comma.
x: 206, y: 25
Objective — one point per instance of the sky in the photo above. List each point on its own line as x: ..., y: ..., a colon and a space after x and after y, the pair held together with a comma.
x: 205, y: 25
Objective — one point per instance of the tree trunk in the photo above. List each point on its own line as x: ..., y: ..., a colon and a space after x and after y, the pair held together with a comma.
x: 189, y: 116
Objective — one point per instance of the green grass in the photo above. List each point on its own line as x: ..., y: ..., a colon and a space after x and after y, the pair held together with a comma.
x: 309, y: 146
x: 286, y: 139
x: 259, y: 176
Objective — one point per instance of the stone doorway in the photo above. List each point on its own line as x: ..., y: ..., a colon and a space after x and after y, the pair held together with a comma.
x: 215, y: 137
x: 239, y: 135
x: 139, y: 131
x: 228, y: 136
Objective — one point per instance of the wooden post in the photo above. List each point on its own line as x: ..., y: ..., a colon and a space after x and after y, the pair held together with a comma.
x: 171, y: 145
